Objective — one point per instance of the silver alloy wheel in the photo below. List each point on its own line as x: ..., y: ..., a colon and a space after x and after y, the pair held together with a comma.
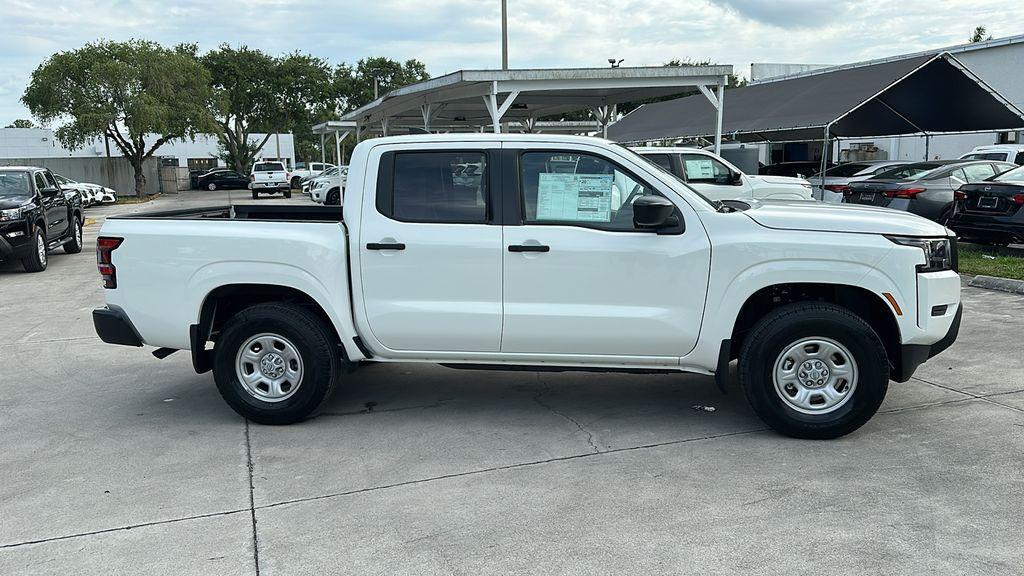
x: 269, y: 367
x: 815, y: 375
x: 77, y: 230
x: 41, y: 248
x: 211, y: 186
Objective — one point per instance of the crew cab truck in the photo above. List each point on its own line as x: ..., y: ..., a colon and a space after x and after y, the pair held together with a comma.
x: 568, y: 253
x: 36, y: 216
x: 269, y: 178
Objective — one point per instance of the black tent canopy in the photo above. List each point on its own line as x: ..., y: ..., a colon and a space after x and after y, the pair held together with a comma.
x: 927, y: 94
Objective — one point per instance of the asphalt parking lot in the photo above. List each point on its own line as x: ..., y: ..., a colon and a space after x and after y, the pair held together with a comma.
x: 114, y: 462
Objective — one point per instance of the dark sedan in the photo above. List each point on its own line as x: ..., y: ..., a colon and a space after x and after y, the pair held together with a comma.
x: 222, y: 179
x: 923, y: 188
x: 991, y: 211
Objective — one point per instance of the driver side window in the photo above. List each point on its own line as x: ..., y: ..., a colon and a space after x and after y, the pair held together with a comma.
x: 705, y: 169
x: 40, y: 181
x: 570, y: 188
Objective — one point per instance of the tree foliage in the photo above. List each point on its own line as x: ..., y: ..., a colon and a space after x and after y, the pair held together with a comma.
x: 980, y: 35
x: 21, y: 123
x: 255, y: 92
x: 122, y: 91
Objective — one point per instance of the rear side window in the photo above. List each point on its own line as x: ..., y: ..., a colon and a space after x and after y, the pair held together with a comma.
x: 978, y: 172
x: 1020, y: 159
x: 438, y: 187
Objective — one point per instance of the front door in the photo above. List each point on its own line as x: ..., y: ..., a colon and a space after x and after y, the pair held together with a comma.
x: 54, y: 205
x: 580, y: 279
x: 712, y: 178
x: 430, y: 252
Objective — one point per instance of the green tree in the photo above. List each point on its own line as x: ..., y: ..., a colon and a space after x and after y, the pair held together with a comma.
x: 255, y: 92
x: 21, y: 123
x: 980, y: 35
x: 123, y: 91
x: 355, y: 85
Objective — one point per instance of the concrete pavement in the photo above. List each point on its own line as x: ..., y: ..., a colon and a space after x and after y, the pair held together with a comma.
x: 117, y: 463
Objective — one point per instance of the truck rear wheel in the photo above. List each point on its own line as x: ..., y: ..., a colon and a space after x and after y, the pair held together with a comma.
x: 276, y: 363
x: 255, y: 194
x: 814, y: 370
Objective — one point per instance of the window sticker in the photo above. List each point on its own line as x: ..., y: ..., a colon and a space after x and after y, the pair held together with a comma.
x: 700, y: 169
x: 575, y: 197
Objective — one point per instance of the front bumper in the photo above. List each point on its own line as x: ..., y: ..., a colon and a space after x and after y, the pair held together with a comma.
x: 113, y: 327
x: 970, y: 225
x: 15, y: 241
x: 913, y: 355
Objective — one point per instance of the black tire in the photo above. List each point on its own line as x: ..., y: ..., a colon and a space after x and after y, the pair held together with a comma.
x: 315, y: 343
x: 33, y: 262
x: 287, y: 193
x: 75, y: 245
x: 255, y: 194
x: 772, y: 336
x: 296, y: 182
x: 333, y: 197
x: 945, y: 216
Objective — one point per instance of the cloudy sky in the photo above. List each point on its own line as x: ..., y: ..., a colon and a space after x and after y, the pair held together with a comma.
x: 451, y: 34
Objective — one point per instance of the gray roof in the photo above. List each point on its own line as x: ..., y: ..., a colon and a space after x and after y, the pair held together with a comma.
x: 930, y: 94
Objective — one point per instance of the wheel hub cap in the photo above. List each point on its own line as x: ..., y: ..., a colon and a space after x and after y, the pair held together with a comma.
x: 269, y: 367
x: 815, y: 375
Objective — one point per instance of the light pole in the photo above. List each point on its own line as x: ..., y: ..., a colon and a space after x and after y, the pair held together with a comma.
x: 504, y: 34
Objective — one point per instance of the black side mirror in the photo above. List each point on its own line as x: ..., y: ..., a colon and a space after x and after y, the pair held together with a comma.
x: 736, y: 179
x: 49, y: 191
x: 652, y: 211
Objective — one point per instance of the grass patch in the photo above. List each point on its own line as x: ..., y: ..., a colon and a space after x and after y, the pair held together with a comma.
x: 991, y: 261
x: 135, y: 199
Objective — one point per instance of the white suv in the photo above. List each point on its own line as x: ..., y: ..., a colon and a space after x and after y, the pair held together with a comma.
x: 1002, y: 152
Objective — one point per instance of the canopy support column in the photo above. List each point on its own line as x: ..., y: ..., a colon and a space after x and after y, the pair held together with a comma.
x: 429, y: 113
x: 384, y: 122
x: 496, y: 111
x: 716, y: 101
x: 337, y: 147
x: 323, y: 153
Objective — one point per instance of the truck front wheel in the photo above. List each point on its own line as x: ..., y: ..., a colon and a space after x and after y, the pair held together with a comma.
x: 813, y: 370
x: 276, y: 363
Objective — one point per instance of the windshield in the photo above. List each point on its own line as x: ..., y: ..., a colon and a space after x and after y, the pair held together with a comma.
x: 844, y: 170
x: 14, y: 185
x: 634, y: 156
x: 1017, y: 174
x: 984, y: 156
x: 330, y: 172
x: 908, y: 171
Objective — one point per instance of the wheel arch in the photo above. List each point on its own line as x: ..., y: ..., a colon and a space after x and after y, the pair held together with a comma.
x: 867, y: 305
x: 224, y: 301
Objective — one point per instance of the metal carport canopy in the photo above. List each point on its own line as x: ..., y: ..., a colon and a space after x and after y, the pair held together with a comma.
x: 489, y: 97
x: 921, y: 95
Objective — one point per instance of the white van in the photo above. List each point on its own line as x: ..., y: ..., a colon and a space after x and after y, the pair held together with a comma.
x: 1002, y: 152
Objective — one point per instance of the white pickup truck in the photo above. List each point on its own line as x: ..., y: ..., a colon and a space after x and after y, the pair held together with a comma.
x: 718, y: 179
x: 568, y: 253
x: 269, y: 178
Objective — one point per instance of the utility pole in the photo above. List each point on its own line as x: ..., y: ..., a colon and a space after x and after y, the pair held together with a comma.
x: 374, y: 87
x: 504, y: 34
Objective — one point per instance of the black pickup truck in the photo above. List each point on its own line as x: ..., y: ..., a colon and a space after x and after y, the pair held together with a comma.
x: 36, y: 216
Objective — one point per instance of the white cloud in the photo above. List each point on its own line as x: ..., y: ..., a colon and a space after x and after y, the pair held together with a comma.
x: 452, y: 34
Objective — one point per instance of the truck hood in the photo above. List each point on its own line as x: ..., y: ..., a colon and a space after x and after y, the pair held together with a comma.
x: 822, y: 217
x: 780, y: 180
x: 15, y: 202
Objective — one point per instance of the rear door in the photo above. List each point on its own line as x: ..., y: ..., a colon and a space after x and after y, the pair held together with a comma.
x: 579, y: 278
x: 430, y: 251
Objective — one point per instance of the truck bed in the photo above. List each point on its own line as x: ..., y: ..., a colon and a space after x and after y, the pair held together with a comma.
x: 257, y: 212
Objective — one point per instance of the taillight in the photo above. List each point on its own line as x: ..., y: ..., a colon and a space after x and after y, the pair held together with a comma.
x: 1018, y: 199
x: 904, y: 192
x: 105, y: 246
x: 838, y: 188
x: 959, y: 195
x: 252, y: 177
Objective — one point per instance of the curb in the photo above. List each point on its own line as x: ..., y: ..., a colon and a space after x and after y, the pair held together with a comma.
x: 1001, y: 284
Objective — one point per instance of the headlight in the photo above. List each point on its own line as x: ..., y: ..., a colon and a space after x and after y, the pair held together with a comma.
x: 939, y: 253
x: 12, y: 214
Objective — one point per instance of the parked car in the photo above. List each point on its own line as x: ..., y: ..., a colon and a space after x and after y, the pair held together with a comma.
x: 1002, y: 152
x: 991, y: 211
x: 269, y: 178
x: 329, y: 187
x: 36, y: 216
x: 305, y: 171
x: 831, y: 187
x: 924, y: 188
x: 222, y: 180
x: 194, y: 175
x: 536, y: 267
x: 796, y: 169
x: 718, y: 179
x: 92, y: 194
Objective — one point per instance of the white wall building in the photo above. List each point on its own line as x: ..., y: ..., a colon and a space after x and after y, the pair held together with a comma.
x: 198, y: 153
